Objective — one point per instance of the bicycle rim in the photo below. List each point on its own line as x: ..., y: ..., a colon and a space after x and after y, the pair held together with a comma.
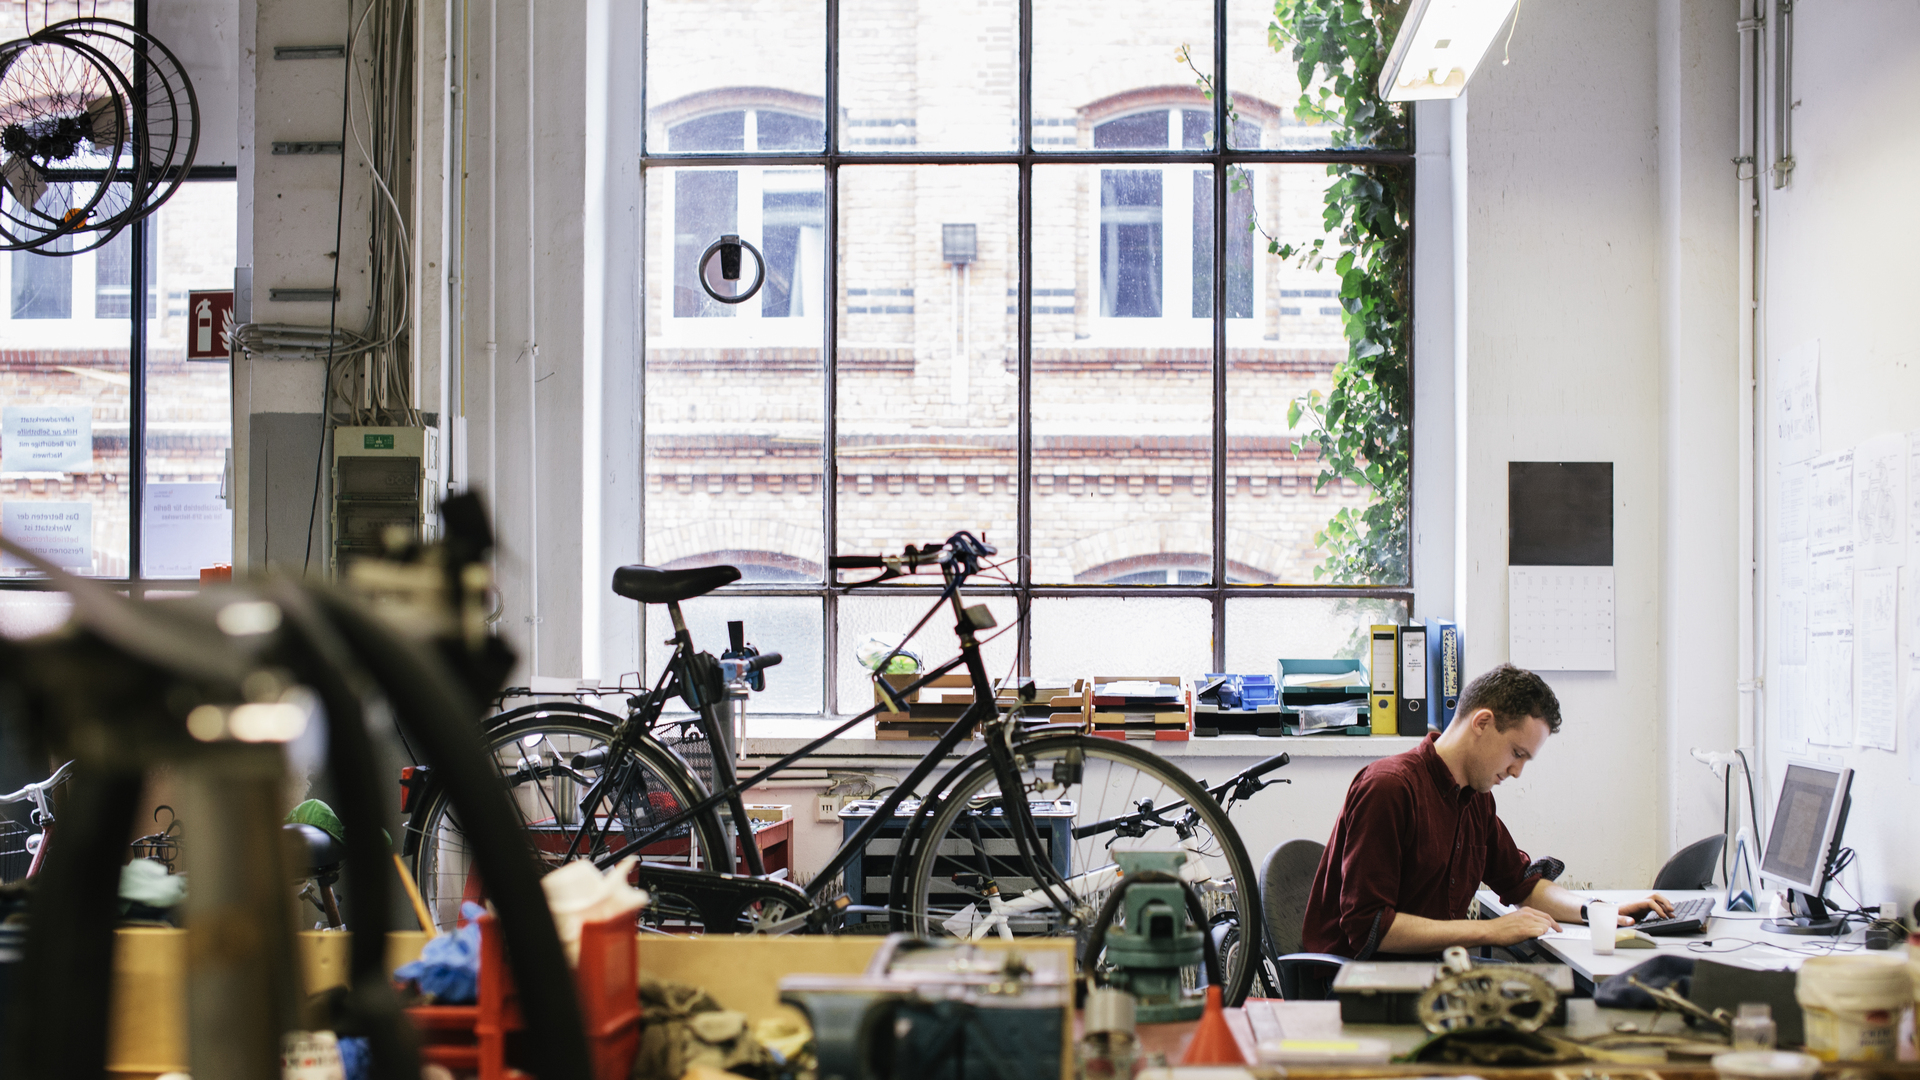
x: 965, y: 841
x: 534, y: 754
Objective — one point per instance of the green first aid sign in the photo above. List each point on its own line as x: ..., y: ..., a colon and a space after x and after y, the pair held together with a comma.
x: 376, y: 442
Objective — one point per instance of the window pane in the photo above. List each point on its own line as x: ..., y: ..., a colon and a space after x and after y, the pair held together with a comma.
x: 64, y: 386
x: 789, y: 625
x: 733, y: 80
x: 1274, y: 509
x: 1266, y: 88
x: 863, y: 616
x: 929, y: 76
x: 1102, y: 636
x: 1262, y: 631
x: 927, y: 377
x: 1095, y: 63
x: 43, y: 282
x: 113, y: 278
x: 1239, y: 244
x: 185, y: 524
x: 1122, y: 389
x: 734, y: 421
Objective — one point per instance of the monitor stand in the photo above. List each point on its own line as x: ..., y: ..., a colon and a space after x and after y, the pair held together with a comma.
x: 1810, y: 917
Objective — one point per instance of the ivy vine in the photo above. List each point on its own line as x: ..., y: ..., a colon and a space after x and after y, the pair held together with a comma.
x: 1360, y: 426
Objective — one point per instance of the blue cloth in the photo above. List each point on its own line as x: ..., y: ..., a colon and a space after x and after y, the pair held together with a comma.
x: 356, y: 1058
x: 449, y: 967
x: 1665, y: 971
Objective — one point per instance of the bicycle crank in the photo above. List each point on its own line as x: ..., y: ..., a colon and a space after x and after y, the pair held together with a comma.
x: 1493, y: 995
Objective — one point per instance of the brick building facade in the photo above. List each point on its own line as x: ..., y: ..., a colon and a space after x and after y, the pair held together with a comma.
x: 926, y: 379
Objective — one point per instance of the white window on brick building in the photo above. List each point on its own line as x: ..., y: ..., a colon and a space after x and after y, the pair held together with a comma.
x: 781, y: 212
x: 1154, y: 226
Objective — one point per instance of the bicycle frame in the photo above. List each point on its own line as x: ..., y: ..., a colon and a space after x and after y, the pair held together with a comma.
x: 729, y: 788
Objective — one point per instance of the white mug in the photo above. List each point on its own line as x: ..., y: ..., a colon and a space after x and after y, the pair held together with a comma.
x: 1604, y: 921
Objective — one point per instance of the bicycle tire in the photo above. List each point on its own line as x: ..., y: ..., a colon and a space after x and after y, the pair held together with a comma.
x: 442, y: 865
x: 951, y: 844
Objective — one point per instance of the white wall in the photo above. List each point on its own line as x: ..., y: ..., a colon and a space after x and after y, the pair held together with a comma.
x: 1599, y: 326
x: 1838, y: 251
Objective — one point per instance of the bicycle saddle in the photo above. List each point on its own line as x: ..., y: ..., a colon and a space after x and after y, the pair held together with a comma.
x: 322, y: 850
x: 651, y: 586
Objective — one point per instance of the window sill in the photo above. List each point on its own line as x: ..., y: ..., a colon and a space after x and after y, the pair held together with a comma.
x: 776, y: 736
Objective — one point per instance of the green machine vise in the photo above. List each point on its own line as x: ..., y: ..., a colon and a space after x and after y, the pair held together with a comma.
x: 1146, y: 953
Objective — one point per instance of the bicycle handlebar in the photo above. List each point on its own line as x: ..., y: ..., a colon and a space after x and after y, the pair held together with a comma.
x: 1260, y: 770
x: 962, y: 547
x: 43, y: 786
x: 1100, y: 828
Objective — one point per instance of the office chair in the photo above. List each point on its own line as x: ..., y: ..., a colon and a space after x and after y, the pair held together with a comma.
x: 1286, y: 880
x: 1692, y: 866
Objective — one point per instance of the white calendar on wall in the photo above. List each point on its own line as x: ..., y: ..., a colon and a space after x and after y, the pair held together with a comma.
x: 1560, y: 618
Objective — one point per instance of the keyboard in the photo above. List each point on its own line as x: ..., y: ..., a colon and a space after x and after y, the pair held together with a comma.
x: 1689, y: 917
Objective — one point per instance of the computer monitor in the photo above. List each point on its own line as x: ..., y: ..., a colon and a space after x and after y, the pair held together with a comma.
x: 1802, y: 845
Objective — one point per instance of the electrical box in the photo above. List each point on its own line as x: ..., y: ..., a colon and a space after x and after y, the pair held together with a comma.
x: 383, y: 478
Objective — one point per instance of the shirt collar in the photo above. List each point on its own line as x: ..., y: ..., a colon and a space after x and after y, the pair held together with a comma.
x: 1437, y: 769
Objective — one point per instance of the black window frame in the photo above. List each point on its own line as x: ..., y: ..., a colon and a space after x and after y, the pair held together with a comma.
x: 1221, y: 156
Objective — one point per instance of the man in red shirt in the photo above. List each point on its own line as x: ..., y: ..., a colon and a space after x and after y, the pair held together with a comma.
x: 1418, y: 835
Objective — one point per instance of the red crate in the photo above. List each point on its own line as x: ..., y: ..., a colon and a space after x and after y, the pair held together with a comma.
x: 473, y: 1038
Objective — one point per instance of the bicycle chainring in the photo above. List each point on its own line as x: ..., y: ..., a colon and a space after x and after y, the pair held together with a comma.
x: 1485, y: 997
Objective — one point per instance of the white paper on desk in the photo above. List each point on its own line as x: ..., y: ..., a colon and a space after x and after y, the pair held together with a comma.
x: 1796, y: 404
x: 1880, y: 502
x: 1830, y: 518
x: 1796, y: 577
x: 1830, y: 692
x: 1560, y: 618
x: 1830, y: 587
x: 1877, y: 698
x: 1795, y: 490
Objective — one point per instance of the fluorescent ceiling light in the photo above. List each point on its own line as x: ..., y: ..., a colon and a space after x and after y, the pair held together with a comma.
x: 1439, y: 46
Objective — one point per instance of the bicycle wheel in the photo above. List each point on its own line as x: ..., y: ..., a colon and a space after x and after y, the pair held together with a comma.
x: 965, y: 846
x: 534, y: 749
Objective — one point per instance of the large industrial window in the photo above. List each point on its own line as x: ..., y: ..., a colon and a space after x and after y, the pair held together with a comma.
x: 991, y: 231
x: 114, y: 455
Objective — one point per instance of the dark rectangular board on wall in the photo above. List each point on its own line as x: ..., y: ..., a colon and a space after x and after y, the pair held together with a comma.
x: 1560, y: 513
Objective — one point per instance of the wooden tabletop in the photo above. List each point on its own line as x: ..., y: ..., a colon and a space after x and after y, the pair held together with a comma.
x: 1321, y: 1020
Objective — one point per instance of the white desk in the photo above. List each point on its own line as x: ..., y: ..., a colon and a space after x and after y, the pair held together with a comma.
x: 1734, y: 938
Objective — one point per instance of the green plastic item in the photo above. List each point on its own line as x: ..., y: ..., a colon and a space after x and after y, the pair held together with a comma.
x: 1149, y: 951
x: 321, y: 816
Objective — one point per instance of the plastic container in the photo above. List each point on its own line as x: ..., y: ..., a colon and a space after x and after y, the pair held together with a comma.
x: 474, y: 1038
x: 1852, y: 1005
x: 1765, y: 1065
x: 1753, y: 1027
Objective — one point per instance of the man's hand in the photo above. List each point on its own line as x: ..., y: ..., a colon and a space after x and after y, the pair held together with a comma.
x: 1631, y: 911
x: 1520, y: 924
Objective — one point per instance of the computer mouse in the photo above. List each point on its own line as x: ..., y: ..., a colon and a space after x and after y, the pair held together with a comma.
x: 1629, y: 938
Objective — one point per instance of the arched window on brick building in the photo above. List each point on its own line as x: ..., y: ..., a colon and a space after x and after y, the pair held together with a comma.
x: 1153, y: 230
x: 783, y: 207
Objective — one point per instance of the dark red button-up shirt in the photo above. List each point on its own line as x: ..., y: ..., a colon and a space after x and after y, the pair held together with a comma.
x: 1408, y: 839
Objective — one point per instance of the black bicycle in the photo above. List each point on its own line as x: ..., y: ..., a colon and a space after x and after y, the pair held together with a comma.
x: 1017, y: 838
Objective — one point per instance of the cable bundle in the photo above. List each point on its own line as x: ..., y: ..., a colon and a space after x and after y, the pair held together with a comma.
x: 369, y: 372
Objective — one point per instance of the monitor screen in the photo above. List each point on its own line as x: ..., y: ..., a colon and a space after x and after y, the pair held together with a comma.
x: 1803, y: 825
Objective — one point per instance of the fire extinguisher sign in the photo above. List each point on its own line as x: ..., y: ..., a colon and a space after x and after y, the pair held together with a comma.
x: 209, y: 321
